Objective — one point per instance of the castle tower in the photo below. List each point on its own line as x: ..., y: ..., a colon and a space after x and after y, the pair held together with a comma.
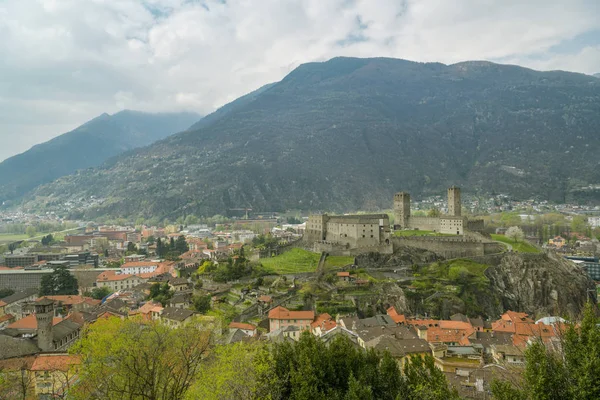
x: 401, y: 210
x: 44, y: 312
x: 454, y: 204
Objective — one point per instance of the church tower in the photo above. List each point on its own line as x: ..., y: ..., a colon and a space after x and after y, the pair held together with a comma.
x: 454, y: 204
x: 44, y: 312
x: 401, y: 210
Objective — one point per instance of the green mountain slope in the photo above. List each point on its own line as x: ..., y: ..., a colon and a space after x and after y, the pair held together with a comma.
x: 89, y: 145
x: 347, y: 133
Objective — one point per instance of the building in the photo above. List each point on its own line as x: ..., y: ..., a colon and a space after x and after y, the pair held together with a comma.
x: 247, y: 329
x: 280, y: 317
x: 54, y: 374
x: 452, y: 223
x: 116, y: 282
x: 139, y: 267
x: 15, y: 302
x: 20, y: 260
x: 351, y: 231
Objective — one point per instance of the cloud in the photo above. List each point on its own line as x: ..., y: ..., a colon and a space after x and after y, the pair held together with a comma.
x: 66, y: 61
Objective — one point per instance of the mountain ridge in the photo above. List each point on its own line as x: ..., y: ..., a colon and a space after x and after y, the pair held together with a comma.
x: 347, y: 133
x: 86, y: 146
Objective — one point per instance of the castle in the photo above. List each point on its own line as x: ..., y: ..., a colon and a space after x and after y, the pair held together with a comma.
x: 452, y: 223
x: 372, y: 230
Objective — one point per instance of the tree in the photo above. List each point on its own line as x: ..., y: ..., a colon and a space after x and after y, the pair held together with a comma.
x: 5, y: 292
x: 515, y: 233
x: 161, y: 293
x: 202, y: 304
x: 47, y: 240
x: 151, y: 240
x: 59, y: 282
x: 579, y: 224
x: 434, y: 212
x: 99, y: 293
x: 30, y: 231
x: 181, y: 245
x: 571, y: 372
x: 137, y: 359
x: 160, y: 250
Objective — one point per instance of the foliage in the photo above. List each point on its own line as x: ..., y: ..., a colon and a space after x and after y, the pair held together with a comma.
x: 161, y: 293
x: 293, y: 220
x: 48, y: 240
x: 571, y: 372
x: 59, y: 282
x: 521, y: 247
x: 30, y: 231
x: 234, y: 268
x: 202, y: 304
x: 515, y: 233
x: 172, y: 249
x: 137, y: 359
x: 99, y: 293
x: 5, y: 292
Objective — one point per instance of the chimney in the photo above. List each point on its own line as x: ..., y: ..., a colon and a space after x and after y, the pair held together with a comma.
x: 44, y: 312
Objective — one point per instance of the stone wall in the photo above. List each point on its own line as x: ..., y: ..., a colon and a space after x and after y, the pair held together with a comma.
x: 424, y: 223
x: 336, y: 249
x: 448, y: 247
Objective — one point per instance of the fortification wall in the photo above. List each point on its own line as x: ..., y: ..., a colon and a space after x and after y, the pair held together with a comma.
x: 336, y: 249
x: 424, y: 223
x: 448, y: 247
x: 475, y: 225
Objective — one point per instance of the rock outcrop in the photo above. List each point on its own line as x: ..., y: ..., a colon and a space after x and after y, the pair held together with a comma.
x: 539, y: 284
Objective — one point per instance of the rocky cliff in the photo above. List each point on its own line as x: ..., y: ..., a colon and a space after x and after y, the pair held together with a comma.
x: 539, y: 284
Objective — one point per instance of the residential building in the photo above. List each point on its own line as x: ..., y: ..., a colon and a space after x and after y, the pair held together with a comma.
x: 247, y: 329
x: 54, y: 374
x: 280, y: 317
x: 139, y: 267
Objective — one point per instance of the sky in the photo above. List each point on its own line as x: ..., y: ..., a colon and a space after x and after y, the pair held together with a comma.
x: 63, y: 62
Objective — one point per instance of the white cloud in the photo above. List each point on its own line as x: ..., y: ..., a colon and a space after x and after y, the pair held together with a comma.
x: 67, y: 61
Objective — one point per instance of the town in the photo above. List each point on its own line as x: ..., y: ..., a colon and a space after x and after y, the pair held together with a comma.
x: 410, y: 281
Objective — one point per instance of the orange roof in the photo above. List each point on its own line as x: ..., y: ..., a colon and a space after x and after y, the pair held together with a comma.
x: 71, y: 299
x: 439, y: 335
x: 284, y: 313
x: 30, y: 322
x: 430, y: 323
x: 241, y: 325
x: 148, y: 307
x: 343, y: 274
x: 112, y: 276
x: 516, y: 317
x: 55, y: 362
x: 325, y: 322
x: 265, y: 298
x: 398, y: 318
x: 537, y: 330
x: 6, y: 317
x: 2, y: 304
x: 460, y: 325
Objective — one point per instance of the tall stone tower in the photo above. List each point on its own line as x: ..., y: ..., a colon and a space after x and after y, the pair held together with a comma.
x: 44, y: 312
x: 401, y: 210
x: 454, y: 204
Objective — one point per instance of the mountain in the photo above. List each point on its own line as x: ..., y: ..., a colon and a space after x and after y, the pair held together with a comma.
x: 89, y: 145
x: 347, y: 133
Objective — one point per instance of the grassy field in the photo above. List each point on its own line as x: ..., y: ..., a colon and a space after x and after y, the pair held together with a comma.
x: 9, y: 238
x: 521, y: 247
x: 420, y: 233
x: 299, y: 260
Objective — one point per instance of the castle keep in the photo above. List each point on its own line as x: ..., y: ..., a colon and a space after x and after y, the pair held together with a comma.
x: 453, y: 223
x: 351, y: 231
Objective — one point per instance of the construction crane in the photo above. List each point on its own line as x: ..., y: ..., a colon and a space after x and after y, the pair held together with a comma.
x: 241, y: 209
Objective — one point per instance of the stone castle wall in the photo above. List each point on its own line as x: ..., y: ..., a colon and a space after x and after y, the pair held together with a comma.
x: 447, y: 247
x: 336, y: 249
x: 424, y: 223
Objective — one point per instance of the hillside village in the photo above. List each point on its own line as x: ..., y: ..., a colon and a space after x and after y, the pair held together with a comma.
x: 260, y: 280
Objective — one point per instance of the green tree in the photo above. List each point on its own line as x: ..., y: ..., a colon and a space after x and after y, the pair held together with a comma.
x: 134, y: 359
x: 99, y: 293
x: 160, y: 250
x: 30, y: 231
x: 572, y: 372
x: 579, y: 224
x: 202, y: 304
x: 426, y: 381
x: 181, y: 245
x: 5, y: 292
x: 59, y: 282
x: 434, y: 212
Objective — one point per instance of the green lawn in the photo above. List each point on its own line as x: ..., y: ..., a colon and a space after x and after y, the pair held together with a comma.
x: 521, y: 247
x: 299, y: 260
x: 420, y: 233
x: 9, y: 238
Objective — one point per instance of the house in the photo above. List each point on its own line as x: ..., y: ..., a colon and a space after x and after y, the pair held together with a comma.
x: 116, y: 282
x: 507, y: 354
x: 399, y: 319
x: 509, y: 320
x: 280, y: 317
x: 344, y: 276
x: 458, y: 359
x: 323, y: 324
x: 54, y: 374
x: 15, y: 302
x: 179, y: 284
x: 247, y: 329
x: 557, y: 242
x: 139, y: 267
x: 176, y: 317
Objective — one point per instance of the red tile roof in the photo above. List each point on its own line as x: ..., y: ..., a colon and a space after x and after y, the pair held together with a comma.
x: 30, y: 322
x: 343, y: 274
x: 71, y: 299
x: 398, y: 318
x: 439, y: 335
x: 55, y: 362
x: 241, y: 325
x: 284, y: 313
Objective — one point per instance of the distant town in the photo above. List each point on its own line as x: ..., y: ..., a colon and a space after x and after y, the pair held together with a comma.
x: 276, y: 276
